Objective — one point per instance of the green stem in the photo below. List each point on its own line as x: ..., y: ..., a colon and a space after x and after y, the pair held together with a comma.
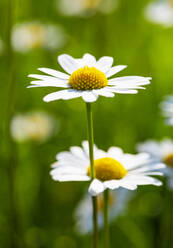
x: 106, y: 219
x: 91, y: 155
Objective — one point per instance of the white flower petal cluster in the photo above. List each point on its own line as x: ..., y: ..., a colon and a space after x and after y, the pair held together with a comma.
x: 31, y: 35
x: 160, y: 152
x: 73, y: 166
x: 85, y: 8
x: 119, y: 85
x: 36, y: 126
x: 167, y: 109
x: 83, y: 213
x: 160, y: 12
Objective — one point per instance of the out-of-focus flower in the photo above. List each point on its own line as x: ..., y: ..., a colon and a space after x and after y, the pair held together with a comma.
x: 113, y: 169
x: 160, y: 12
x: 167, y: 109
x: 31, y: 35
x: 118, y: 201
x: 161, y: 152
x: 36, y: 126
x: 85, y: 8
x: 88, y: 79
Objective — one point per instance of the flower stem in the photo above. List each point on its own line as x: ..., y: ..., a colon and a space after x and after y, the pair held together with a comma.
x: 106, y: 221
x: 91, y: 155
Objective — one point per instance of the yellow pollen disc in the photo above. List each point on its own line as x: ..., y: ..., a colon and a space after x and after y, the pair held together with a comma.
x: 171, y: 3
x: 87, y: 78
x: 107, y: 169
x: 90, y: 4
x: 169, y: 159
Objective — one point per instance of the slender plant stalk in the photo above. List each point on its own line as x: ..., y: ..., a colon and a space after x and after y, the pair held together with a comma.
x: 106, y: 219
x: 91, y: 155
x: 8, y: 112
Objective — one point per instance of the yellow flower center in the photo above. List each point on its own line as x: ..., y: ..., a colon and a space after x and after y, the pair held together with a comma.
x: 107, y: 169
x: 90, y: 4
x: 87, y: 78
x: 37, y: 35
x: 171, y: 3
x: 169, y: 159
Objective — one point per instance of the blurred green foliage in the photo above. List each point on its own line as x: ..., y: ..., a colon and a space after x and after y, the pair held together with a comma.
x: 35, y: 211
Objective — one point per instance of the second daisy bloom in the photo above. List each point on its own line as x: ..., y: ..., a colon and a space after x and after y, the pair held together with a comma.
x: 113, y: 168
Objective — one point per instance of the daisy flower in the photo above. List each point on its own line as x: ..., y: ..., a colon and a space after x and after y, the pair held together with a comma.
x: 31, y: 35
x: 87, y: 78
x: 118, y: 201
x: 35, y: 126
x: 162, y: 152
x: 167, y: 109
x: 160, y: 12
x: 85, y: 8
x: 113, y: 168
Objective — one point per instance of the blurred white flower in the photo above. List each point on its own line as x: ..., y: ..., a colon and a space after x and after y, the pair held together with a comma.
x: 36, y: 126
x: 113, y: 169
x: 161, y: 152
x: 167, y: 109
x: 30, y: 35
x: 160, y: 12
x: 87, y: 78
x: 118, y: 201
x: 85, y: 7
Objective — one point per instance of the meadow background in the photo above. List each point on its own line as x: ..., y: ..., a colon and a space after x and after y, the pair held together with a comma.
x: 35, y: 211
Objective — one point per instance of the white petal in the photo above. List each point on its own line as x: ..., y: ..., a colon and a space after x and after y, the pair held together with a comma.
x: 47, y: 78
x: 123, y: 91
x: 85, y: 146
x: 68, y: 63
x: 131, y: 79
x: 54, y: 73
x: 78, y: 152
x: 67, y: 158
x: 65, y: 178
x: 96, y: 187
x: 104, y: 63
x: 115, y: 69
x: 125, y: 86
x: 89, y: 96
x: 104, y: 92
x: 112, y: 184
x: 48, y: 84
x: 68, y: 170
x: 153, y: 173
x: 147, y: 168
x: 89, y: 59
x: 143, y: 180
x: 129, y: 186
x: 62, y: 94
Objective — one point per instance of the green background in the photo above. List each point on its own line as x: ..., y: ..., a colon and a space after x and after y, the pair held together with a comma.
x: 35, y: 211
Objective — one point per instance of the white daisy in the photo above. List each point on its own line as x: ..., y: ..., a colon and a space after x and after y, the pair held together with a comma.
x: 30, y: 35
x: 113, y: 169
x: 85, y: 8
x: 87, y: 78
x: 167, y: 109
x: 36, y: 126
x: 160, y: 12
x: 118, y: 201
x: 162, y: 152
